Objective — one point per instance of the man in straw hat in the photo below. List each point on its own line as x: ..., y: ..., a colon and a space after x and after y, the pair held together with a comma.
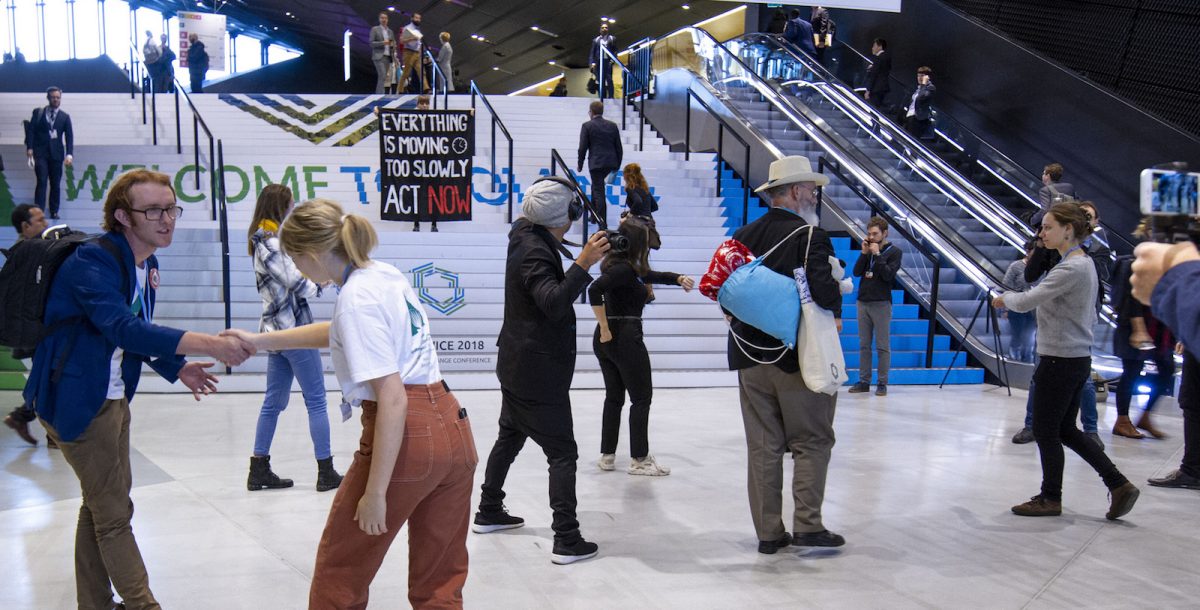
x: 780, y: 413
x: 537, y: 361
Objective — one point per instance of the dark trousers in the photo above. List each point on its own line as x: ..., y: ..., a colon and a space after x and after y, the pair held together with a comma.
x: 625, y: 364
x: 549, y: 424
x: 1160, y: 382
x: 604, y: 80
x: 197, y: 80
x: 1059, y: 383
x: 1189, y: 401
x: 599, y: 199
x: 49, y: 177
x: 918, y: 128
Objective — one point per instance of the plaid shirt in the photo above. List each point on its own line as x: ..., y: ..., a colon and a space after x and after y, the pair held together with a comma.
x: 282, y: 288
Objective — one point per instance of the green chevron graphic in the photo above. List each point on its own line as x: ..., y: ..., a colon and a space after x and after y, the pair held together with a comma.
x: 6, y: 198
x: 273, y: 109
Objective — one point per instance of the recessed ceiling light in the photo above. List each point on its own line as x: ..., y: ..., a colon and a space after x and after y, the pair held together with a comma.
x: 686, y: 7
x: 496, y: 68
x: 551, y: 62
x: 392, y: 8
x: 533, y: 27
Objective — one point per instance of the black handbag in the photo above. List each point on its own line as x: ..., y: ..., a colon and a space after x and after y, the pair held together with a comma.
x: 592, y: 87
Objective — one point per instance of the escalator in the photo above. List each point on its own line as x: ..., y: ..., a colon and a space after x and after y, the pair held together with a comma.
x: 877, y: 169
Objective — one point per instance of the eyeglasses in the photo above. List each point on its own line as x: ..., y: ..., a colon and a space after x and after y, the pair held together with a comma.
x: 154, y: 214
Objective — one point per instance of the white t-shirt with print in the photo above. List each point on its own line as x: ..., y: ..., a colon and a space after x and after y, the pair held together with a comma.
x: 380, y: 328
x: 116, y: 385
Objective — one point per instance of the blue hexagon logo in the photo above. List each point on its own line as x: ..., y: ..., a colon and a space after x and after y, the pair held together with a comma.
x: 433, y: 282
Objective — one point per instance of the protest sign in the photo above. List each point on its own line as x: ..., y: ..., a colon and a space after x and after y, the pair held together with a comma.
x: 425, y: 164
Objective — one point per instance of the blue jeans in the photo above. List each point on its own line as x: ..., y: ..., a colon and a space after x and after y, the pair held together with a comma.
x: 305, y: 366
x: 1087, y: 407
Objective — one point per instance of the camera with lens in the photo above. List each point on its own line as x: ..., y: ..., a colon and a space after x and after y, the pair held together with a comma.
x: 1169, y: 200
x: 617, y: 243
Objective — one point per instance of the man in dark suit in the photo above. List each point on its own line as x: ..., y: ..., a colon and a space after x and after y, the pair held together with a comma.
x: 918, y: 114
x: 600, y: 141
x: 50, y: 143
x: 879, y: 74
x: 536, y: 362
x: 800, y: 33
x: 596, y: 57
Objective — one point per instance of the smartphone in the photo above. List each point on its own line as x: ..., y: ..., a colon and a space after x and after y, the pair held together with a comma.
x: 1169, y: 193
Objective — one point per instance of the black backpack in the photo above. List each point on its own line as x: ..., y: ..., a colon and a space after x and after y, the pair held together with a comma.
x: 25, y: 284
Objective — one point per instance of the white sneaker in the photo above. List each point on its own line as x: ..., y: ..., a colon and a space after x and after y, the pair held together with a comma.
x: 607, y: 461
x: 648, y: 467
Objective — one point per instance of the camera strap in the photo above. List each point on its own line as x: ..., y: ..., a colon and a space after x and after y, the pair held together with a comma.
x: 563, y: 249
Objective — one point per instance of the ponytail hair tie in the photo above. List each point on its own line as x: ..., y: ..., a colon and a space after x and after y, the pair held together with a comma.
x: 344, y: 217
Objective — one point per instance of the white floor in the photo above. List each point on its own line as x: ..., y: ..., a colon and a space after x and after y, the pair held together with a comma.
x: 921, y: 484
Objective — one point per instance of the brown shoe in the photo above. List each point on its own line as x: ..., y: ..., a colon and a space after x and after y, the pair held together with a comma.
x: 1038, y: 506
x: 1123, y: 499
x: 1125, y: 428
x: 1145, y: 424
x: 21, y: 428
x: 50, y: 444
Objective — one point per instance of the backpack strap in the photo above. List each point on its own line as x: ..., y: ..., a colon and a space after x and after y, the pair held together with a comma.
x: 789, y: 236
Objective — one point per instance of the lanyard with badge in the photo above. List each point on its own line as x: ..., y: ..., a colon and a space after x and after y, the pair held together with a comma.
x: 50, y: 118
x: 141, y: 305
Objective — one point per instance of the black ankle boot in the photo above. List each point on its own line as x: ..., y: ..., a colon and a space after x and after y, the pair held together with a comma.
x: 327, y: 477
x: 261, y: 476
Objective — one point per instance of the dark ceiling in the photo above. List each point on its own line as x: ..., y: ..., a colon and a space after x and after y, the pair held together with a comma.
x: 520, y: 54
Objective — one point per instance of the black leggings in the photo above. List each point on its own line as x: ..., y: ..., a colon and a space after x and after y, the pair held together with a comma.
x: 1160, y: 383
x: 625, y: 365
x: 1058, y: 384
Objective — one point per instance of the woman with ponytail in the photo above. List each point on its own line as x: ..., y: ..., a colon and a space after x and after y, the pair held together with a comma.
x: 416, y: 459
x: 284, y: 292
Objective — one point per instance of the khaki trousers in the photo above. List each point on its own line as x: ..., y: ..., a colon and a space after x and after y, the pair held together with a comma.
x: 781, y: 414
x: 412, y: 61
x: 106, y: 553
x: 430, y: 491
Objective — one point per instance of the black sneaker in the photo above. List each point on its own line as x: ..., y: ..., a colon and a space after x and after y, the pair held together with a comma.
x: 576, y: 551
x: 1023, y: 437
x: 494, y: 521
x: 860, y: 388
x: 768, y: 547
x: 881, y: 390
x: 823, y: 538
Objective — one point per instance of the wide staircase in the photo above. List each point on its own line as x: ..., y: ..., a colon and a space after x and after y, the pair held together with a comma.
x: 326, y: 146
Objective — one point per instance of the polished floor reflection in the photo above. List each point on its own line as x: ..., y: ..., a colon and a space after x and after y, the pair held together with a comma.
x: 920, y: 485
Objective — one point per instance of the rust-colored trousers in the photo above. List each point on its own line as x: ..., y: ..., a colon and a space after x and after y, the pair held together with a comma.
x: 430, y: 491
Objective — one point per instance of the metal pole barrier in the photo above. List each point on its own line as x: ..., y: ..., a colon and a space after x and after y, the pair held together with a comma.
x: 178, y: 127
x: 511, y: 170
x: 720, y: 155
x: 933, y: 304
x: 746, y: 189
x: 154, y: 116
x: 196, y: 146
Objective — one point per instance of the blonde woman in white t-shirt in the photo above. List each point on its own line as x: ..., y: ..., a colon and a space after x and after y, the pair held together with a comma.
x: 416, y: 459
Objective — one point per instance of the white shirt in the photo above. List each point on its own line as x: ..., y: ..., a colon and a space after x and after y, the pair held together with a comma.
x: 116, y: 385
x: 380, y: 328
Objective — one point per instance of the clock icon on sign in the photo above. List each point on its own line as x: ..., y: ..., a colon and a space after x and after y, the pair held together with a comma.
x: 459, y: 145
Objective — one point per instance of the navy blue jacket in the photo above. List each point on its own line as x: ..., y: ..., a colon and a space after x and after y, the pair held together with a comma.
x: 37, y: 136
x: 800, y: 33
x: 1175, y: 304
x: 600, y: 141
x: 89, y: 285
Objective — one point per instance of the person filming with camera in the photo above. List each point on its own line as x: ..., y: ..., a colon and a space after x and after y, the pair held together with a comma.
x: 536, y: 360
x: 617, y: 298
x: 1165, y: 277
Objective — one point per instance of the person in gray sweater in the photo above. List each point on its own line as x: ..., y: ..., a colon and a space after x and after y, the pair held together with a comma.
x: 1066, y: 313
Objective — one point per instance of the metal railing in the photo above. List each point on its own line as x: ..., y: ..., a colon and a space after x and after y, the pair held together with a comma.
x: 627, y: 78
x: 438, y: 76
x: 496, y: 121
x: 935, y: 258
x: 722, y: 125
x: 556, y: 162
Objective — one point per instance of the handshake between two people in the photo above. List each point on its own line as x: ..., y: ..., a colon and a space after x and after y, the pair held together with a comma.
x: 234, y: 346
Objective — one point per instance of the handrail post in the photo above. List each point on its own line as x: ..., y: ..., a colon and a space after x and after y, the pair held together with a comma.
x: 178, y: 126
x: 687, y: 128
x: 933, y: 305
x: 720, y: 156
x: 511, y: 170
x: 493, y: 149
x: 196, y: 146
x: 154, y: 116
x: 212, y: 174
x: 746, y: 190
x: 224, y: 224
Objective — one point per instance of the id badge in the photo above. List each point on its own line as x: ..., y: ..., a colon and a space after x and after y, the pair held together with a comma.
x: 870, y: 274
x: 346, y: 410
x: 53, y: 134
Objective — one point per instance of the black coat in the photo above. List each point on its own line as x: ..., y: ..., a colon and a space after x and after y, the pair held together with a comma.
x: 37, y: 136
x: 924, y: 102
x: 197, y: 58
x: 879, y: 76
x: 640, y: 202
x: 600, y: 141
x: 537, y: 340
x: 760, y: 236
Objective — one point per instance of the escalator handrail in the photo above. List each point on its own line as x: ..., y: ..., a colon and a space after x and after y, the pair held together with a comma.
x: 1029, y: 177
x: 1018, y: 231
x: 982, y: 277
